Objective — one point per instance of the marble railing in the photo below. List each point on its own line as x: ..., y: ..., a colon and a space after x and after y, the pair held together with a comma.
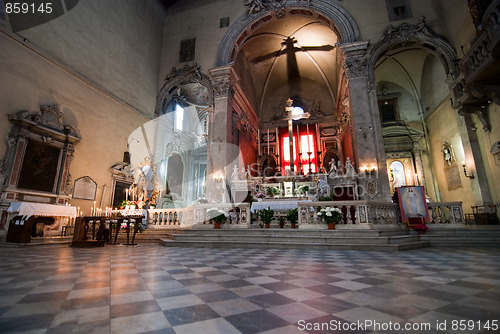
x: 239, y: 215
x: 446, y: 213
x: 354, y: 212
x: 167, y: 217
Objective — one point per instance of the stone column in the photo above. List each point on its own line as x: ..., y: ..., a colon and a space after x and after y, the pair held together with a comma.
x: 367, y: 131
x: 473, y: 159
x: 220, y: 129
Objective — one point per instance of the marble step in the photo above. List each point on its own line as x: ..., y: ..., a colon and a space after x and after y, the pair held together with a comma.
x: 300, y: 245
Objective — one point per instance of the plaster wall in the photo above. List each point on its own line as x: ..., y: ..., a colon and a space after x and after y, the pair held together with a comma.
x: 443, y: 127
x: 198, y: 19
x: 104, y: 122
x: 113, y: 44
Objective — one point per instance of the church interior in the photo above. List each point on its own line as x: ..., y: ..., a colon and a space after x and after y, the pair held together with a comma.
x: 337, y: 124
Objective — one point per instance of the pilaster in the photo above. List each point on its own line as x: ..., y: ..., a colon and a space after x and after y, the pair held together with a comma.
x: 367, y: 140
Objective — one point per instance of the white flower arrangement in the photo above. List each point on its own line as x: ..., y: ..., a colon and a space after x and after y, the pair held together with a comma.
x: 330, y: 215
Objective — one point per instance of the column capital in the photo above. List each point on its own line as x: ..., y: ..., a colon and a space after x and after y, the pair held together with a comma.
x: 355, y: 60
x: 221, y: 80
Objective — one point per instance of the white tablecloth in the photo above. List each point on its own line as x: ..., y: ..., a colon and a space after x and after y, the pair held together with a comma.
x: 41, y: 209
x: 275, y: 205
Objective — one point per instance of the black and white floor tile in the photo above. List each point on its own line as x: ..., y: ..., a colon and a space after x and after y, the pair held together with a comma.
x: 154, y: 289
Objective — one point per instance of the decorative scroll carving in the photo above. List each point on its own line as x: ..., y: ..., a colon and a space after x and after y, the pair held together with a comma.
x: 405, y: 32
x: 222, y: 87
x: 255, y: 6
x: 188, y: 70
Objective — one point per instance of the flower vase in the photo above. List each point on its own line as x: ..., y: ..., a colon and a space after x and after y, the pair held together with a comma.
x: 420, y: 231
x: 216, y: 226
x: 331, y: 226
x: 259, y: 199
x: 267, y: 225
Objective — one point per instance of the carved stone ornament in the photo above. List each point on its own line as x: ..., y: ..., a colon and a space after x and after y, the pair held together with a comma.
x: 122, y: 171
x: 405, y: 32
x: 356, y: 67
x: 188, y: 70
x: 222, y: 87
x: 48, y: 122
x: 256, y: 6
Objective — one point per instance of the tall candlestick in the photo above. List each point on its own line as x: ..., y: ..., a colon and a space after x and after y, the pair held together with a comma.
x: 317, y: 137
x: 126, y: 194
x: 258, y: 140
x: 277, y: 142
x: 307, y: 127
x: 297, y: 149
x: 94, y: 209
x: 267, y: 141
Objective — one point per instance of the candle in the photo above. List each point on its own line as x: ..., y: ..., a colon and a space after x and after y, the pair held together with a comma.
x: 258, y: 140
x: 267, y: 141
x: 126, y: 194
x: 307, y: 127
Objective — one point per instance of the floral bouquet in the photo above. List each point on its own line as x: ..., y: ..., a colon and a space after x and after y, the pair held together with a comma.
x: 260, y: 195
x: 219, y: 216
x: 330, y: 215
x: 421, y: 227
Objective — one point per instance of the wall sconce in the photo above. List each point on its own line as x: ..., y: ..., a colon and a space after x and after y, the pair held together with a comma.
x: 218, y: 176
x: 470, y: 176
x: 368, y: 170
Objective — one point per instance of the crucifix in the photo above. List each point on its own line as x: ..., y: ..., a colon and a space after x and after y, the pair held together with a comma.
x: 291, y: 116
x: 289, y: 49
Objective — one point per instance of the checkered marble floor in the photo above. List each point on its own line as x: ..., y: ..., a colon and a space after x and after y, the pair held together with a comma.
x: 154, y: 289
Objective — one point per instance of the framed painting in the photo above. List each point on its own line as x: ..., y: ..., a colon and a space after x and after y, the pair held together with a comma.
x: 412, y: 205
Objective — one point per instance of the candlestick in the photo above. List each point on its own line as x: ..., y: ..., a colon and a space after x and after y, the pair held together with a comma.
x: 267, y: 141
x: 126, y: 194
x: 307, y: 130
x: 258, y: 140
x: 317, y: 137
x: 277, y: 143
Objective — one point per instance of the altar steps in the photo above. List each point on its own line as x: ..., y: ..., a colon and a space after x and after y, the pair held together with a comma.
x: 475, y: 235
x: 295, y: 238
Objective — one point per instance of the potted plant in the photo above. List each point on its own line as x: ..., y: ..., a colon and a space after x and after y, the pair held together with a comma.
x: 217, y: 216
x: 273, y: 191
x: 282, y: 220
x: 303, y: 190
x: 293, y: 217
x: 421, y: 228
x: 330, y: 216
x: 266, y: 215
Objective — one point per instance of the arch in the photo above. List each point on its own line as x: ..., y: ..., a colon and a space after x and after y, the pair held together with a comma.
x: 328, y: 12
x: 174, y: 81
x: 419, y: 35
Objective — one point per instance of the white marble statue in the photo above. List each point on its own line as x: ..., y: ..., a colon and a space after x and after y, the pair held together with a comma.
x: 333, y: 169
x: 235, y: 175
x: 349, y: 168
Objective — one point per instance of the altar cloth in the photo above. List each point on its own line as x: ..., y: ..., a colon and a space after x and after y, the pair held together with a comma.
x: 275, y: 205
x: 42, y: 209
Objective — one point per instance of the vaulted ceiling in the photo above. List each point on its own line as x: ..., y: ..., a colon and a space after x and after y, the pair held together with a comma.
x: 293, y: 57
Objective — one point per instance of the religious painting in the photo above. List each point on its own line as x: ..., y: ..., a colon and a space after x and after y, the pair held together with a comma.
x: 269, y: 166
x: 187, y: 50
x: 40, y: 166
x: 412, y: 204
x: 175, y: 171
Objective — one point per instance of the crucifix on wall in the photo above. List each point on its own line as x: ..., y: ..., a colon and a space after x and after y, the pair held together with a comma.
x: 289, y: 49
